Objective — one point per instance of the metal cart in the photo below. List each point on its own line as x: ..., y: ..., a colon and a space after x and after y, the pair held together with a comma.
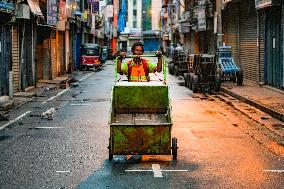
x: 229, y: 70
x: 203, y: 74
x: 140, y: 119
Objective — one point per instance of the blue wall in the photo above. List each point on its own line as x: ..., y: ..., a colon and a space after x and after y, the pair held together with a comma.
x: 151, y: 44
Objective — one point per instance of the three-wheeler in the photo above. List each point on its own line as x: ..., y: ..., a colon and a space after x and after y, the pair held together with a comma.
x: 90, y: 56
x: 140, y: 118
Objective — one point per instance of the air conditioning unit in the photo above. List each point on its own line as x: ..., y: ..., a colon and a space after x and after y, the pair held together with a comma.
x: 23, y: 11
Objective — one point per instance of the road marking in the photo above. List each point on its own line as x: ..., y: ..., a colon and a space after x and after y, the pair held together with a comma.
x: 48, y: 127
x: 274, y: 171
x: 157, y: 170
x: 14, y: 120
x: 86, y: 76
x: 79, y: 104
x: 50, y: 99
x: 62, y: 171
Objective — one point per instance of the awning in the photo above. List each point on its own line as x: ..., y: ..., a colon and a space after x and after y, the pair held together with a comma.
x: 34, y: 6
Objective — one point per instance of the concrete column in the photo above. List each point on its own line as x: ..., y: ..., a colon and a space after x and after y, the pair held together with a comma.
x: 11, y: 85
x: 130, y: 13
x: 139, y: 13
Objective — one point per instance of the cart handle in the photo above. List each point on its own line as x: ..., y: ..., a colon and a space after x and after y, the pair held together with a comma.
x: 134, y: 56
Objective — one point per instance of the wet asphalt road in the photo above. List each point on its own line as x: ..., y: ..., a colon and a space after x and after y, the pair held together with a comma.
x: 70, y: 151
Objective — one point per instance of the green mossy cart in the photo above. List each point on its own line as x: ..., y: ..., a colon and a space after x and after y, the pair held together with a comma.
x: 140, y: 120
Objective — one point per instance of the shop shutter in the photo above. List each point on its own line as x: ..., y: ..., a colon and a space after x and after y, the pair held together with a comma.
x: 232, y: 30
x: 61, y: 52
x: 248, y: 41
x: 53, y: 55
x: 274, y: 62
x: 15, y: 57
x: 261, y: 16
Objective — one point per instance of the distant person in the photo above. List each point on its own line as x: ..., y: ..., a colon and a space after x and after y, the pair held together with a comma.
x: 179, y: 47
x: 172, y: 49
x: 138, y: 69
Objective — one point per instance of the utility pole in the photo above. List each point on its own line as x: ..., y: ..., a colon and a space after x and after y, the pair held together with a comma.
x: 219, y: 22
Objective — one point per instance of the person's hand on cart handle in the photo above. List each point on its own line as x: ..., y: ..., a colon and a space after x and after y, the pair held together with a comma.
x: 158, y: 53
x: 122, y: 55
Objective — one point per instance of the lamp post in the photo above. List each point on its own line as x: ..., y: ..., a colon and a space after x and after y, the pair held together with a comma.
x: 142, y: 26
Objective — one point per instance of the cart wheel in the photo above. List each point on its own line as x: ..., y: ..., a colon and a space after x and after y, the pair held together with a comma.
x: 194, y: 83
x: 239, y: 77
x: 171, y: 68
x: 174, y: 148
x: 217, y: 83
x: 185, y: 75
x: 110, y: 155
x: 176, y: 71
x: 190, y: 81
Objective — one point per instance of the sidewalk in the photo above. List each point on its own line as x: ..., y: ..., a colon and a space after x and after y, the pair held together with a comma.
x: 31, y: 92
x: 267, y: 99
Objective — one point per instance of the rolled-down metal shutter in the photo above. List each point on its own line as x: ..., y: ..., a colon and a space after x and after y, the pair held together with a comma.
x: 61, y: 52
x: 248, y: 41
x: 232, y: 29
x: 261, y: 17
x: 53, y: 55
x: 15, y: 57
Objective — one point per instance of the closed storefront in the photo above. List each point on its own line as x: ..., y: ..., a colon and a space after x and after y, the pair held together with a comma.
x: 15, y: 57
x: 53, y: 45
x: 43, y: 50
x: 5, y: 56
x: 231, y: 26
x: 26, y: 39
x: 261, y: 36
x: 248, y: 41
x: 274, y: 47
x: 61, y: 53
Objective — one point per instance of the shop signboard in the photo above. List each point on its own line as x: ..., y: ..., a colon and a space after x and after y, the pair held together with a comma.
x: 52, y: 11
x: 201, y: 19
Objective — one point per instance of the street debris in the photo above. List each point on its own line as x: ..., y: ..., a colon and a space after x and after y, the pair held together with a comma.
x: 4, y: 117
x: 263, y: 117
x: 48, y: 114
x: 48, y: 88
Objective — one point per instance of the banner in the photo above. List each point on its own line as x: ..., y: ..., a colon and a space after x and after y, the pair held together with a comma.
x: 52, y: 11
x: 121, y: 23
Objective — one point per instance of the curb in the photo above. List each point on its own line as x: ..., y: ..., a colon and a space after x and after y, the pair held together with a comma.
x: 271, y: 112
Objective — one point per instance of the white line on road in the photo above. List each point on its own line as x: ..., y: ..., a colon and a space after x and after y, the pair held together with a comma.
x: 50, y: 99
x: 62, y: 171
x: 14, y: 120
x: 274, y: 171
x: 48, y: 127
x: 86, y: 76
x: 157, y: 170
x: 79, y: 104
